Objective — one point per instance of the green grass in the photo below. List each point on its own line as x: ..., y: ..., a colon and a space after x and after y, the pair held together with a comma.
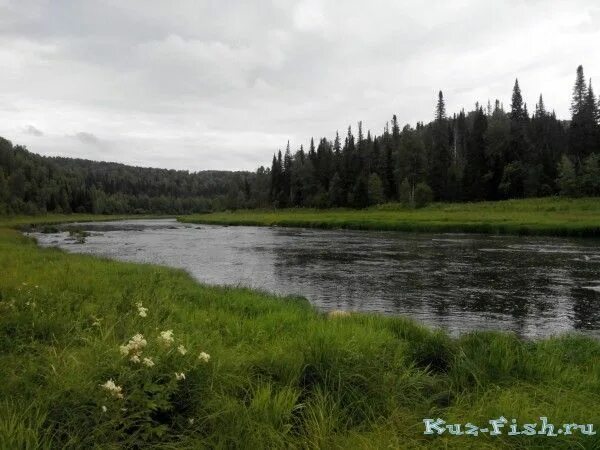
x: 280, y: 375
x: 541, y: 216
x: 44, y: 219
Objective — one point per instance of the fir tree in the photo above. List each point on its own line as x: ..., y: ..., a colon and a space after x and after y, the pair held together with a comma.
x: 579, y: 93
x: 439, y: 155
x: 475, y: 162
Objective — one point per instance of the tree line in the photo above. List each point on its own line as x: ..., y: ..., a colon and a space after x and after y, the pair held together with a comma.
x: 484, y: 154
x: 487, y: 153
x: 33, y: 184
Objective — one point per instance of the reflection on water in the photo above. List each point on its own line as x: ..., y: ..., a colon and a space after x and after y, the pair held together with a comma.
x: 535, y: 286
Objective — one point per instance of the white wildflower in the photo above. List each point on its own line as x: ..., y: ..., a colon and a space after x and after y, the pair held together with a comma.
x: 204, y: 357
x: 113, y: 389
x: 166, y: 337
x: 137, y: 342
x: 148, y: 362
x: 104, y: 408
x: 134, y: 346
x: 181, y: 349
x: 191, y: 421
x: 142, y: 312
x: 179, y: 376
x: 135, y: 359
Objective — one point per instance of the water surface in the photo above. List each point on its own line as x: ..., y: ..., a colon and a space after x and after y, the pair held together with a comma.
x: 535, y: 286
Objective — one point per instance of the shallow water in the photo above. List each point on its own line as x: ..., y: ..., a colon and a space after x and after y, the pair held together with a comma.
x: 535, y: 286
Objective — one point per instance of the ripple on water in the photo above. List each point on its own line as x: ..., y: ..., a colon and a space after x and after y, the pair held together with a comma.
x: 531, y: 285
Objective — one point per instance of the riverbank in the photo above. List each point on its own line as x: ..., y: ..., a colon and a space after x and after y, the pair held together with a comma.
x: 543, y: 216
x: 259, y: 371
x: 23, y: 221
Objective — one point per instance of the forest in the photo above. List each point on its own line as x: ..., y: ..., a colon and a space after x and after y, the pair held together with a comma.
x: 484, y: 154
x: 488, y: 153
x: 33, y: 184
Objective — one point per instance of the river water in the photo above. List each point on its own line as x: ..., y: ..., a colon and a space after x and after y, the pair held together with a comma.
x: 534, y: 286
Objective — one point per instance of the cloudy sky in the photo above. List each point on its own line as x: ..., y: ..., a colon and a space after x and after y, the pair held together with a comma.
x: 222, y: 84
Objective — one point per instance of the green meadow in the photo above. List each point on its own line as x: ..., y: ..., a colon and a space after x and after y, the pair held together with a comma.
x: 542, y: 216
x: 103, y: 354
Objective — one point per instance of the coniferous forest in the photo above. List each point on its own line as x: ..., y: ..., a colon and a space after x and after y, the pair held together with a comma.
x: 489, y: 153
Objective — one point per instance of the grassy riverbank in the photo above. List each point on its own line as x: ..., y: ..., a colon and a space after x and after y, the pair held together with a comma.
x: 543, y: 216
x: 43, y: 219
x: 280, y: 374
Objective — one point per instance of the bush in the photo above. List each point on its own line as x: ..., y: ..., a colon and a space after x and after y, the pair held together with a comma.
x: 405, y: 193
x: 423, y: 195
x: 375, y: 190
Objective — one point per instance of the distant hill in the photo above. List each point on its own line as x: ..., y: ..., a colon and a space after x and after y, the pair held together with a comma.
x: 32, y: 184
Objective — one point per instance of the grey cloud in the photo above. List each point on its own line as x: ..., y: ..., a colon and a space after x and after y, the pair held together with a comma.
x: 87, y: 138
x: 33, y: 131
x: 218, y: 84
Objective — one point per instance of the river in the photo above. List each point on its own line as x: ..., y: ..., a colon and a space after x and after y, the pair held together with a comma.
x: 534, y: 286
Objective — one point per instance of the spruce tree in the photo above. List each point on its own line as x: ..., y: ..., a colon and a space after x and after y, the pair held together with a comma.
x: 375, y: 190
x: 286, y: 184
x: 395, y: 131
x: 513, y: 173
x: 337, y: 194
x: 474, y: 179
x: 581, y: 133
x: 440, y: 110
x: 540, y: 108
x: 411, y: 160
x: 439, y: 155
x: 276, y: 170
x: 579, y: 93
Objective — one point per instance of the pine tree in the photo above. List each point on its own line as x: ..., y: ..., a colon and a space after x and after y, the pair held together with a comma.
x: 395, y: 131
x: 286, y: 182
x: 474, y: 184
x: 349, y: 166
x: 276, y: 171
x: 591, y: 105
x: 337, y: 195
x: 375, y: 190
x: 582, y: 137
x: 301, y: 155
x: 579, y: 93
x: 517, y: 113
x: 360, y: 192
x: 440, y: 110
x: 312, y: 154
x: 439, y: 155
x: 337, y: 147
x: 514, y: 171
x: 567, y: 179
x: 411, y: 160
x: 497, y: 139
x: 540, y: 108
x: 324, y: 164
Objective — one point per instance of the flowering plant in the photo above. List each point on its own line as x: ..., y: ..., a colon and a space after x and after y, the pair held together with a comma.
x: 149, y: 389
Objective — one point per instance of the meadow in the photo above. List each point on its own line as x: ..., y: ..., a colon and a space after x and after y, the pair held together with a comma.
x: 98, y: 353
x: 541, y: 216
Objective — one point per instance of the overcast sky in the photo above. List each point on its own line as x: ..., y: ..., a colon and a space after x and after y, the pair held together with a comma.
x: 222, y: 84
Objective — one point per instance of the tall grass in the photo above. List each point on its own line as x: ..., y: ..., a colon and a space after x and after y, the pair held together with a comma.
x: 40, y: 219
x: 280, y: 374
x: 541, y: 216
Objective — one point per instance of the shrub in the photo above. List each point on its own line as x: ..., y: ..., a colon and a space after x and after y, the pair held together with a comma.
x: 423, y: 195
